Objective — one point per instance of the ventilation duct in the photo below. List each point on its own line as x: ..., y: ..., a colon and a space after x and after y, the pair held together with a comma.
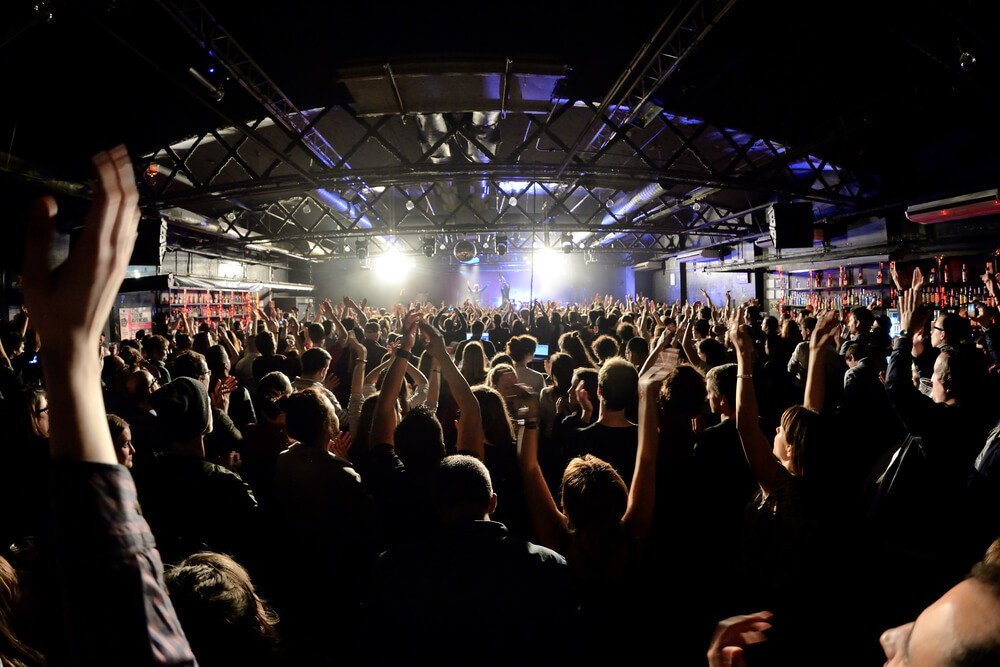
x: 432, y: 128
x: 634, y: 202
x: 973, y: 205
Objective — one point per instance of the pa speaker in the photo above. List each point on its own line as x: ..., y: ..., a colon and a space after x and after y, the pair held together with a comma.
x: 791, y: 225
x: 150, y: 244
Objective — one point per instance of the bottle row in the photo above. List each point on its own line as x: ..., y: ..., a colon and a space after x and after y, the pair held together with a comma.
x: 194, y: 297
x: 210, y: 304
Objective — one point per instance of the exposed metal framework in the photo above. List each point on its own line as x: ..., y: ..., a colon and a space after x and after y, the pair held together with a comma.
x: 622, y: 175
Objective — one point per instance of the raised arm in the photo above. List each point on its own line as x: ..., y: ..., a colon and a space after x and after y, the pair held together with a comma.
x: 357, y: 383
x: 358, y: 311
x: 384, y: 423
x: 819, y: 346
x: 222, y: 332
x: 548, y: 523
x: 470, y: 425
x: 755, y: 445
x: 642, y: 494
x: 100, y: 539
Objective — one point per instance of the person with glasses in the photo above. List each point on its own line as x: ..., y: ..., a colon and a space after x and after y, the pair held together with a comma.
x: 921, y: 529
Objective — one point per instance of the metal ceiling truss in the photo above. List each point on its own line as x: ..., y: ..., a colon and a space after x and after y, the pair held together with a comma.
x: 342, y: 174
x: 678, y: 35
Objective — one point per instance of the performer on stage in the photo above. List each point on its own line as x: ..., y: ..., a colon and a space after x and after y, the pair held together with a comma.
x: 504, y: 290
x: 476, y: 291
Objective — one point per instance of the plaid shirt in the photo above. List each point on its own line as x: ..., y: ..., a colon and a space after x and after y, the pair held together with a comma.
x: 117, y: 610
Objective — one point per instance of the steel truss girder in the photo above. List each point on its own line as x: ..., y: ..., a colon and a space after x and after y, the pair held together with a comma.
x: 219, y: 45
x: 677, y: 36
x: 579, y: 200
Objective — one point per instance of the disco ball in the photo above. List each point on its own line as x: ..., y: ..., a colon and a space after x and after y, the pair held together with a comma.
x: 465, y: 251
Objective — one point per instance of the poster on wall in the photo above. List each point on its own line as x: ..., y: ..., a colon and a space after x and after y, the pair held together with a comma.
x: 131, y: 320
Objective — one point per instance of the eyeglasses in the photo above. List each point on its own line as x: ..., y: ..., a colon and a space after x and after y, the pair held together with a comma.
x: 937, y: 328
x: 42, y: 411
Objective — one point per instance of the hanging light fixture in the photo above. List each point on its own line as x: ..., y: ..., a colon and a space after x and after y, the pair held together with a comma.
x: 567, y: 242
x: 501, y: 244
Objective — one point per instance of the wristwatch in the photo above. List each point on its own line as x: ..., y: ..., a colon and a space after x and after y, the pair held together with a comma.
x: 904, y: 333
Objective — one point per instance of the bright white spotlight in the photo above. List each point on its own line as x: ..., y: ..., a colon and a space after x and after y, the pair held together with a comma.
x: 393, y: 266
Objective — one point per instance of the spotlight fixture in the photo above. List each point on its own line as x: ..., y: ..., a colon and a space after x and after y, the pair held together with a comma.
x: 567, y: 242
x: 512, y: 201
x: 966, y: 61
x: 361, y: 245
x: 429, y: 246
x: 501, y: 244
x: 409, y: 205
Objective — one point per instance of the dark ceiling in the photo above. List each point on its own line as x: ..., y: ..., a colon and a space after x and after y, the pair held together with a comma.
x: 534, y: 120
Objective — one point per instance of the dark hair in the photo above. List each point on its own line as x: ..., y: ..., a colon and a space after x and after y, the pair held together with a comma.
x: 683, y: 391
x: 561, y: 365
x: 588, y: 376
x: 316, y: 333
x: 800, y: 426
x: 419, y: 439
x: 190, y: 364
x: 309, y: 417
x: 521, y: 347
x: 604, y: 347
x: 116, y: 426
x: 593, y: 494
x: 638, y: 345
x: 702, y: 327
x: 618, y: 382
x: 461, y: 488
x: 474, y: 362
x: 957, y: 329
x: 15, y: 652
x: 572, y: 344
x: 265, y: 343
x: 272, y: 387
x: 714, y: 351
x: 219, y: 609
x: 721, y: 380
x: 497, y: 425
x: 217, y: 358
x: 155, y: 343
x: 314, y: 359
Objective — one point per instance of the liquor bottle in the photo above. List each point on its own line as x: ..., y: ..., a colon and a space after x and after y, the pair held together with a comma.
x: 829, y: 279
x: 861, y: 276
x: 965, y: 274
x: 933, y: 277
x: 945, y: 275
x: 880, y: 278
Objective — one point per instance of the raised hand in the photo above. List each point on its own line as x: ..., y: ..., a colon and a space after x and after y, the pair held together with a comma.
x: 354, y: 344
x: 911, y: 316
x: 70, y: 302
x: 340, y: 444
x: 739, y: 336
x: 734, y: 634
x: 331, y: 381
x: 827, y: 329
x: 410, y: 327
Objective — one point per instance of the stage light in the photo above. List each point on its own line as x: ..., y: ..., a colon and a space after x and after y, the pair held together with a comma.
x: 567, y: 242
x: 361, y: 245
x: 429, y: 246
x: 501, y: 244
